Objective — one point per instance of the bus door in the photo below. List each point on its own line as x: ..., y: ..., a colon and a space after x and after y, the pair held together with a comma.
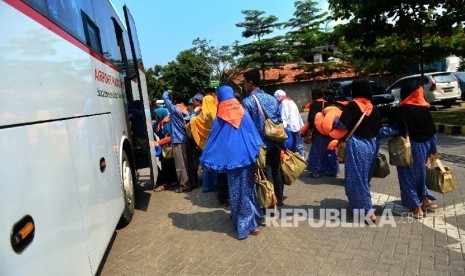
x: 138, y: 104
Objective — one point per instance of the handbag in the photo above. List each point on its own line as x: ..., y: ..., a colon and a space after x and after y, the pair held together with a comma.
x: 167, y: 151
x: 292, y: 166
x: 341, y: 148
x: 274, y: 132
x: 400, y: 151
x: 381, y: 169
x: 261, y: 160
x: 265, y: 191
x: 439, y: 178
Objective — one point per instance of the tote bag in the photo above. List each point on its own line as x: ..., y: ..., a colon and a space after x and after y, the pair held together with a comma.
x: 381, y: 166
x: 439, y: 177
x: 292, y: 166
x: 265, y: 191
x: 400, y: 151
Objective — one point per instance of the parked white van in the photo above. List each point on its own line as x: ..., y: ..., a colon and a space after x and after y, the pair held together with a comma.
x: 439, y: 87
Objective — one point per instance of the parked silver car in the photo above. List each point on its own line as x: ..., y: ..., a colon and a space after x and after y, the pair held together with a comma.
x: 439, y: 87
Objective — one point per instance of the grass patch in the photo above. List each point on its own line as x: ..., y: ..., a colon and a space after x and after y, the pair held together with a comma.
x: 450, y: 116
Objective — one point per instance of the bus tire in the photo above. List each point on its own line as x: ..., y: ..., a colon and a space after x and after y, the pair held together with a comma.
x: 127, y: 182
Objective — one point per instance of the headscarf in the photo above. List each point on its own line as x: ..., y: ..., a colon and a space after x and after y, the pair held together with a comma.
x: 163, y: 125
x: 201, y: 124
x: 413, y: 94
x: 228, y: 147
x: 229, y: 109
x: 161, y: 112
x: 362, y: 94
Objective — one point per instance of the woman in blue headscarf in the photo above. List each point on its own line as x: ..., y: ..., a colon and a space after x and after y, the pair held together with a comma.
x: 232, y: 148
x: 162, y: 128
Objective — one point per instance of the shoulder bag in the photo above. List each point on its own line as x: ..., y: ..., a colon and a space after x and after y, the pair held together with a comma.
x: 273, y: 132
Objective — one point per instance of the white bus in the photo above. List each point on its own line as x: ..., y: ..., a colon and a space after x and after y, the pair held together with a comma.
x: 68, y: 158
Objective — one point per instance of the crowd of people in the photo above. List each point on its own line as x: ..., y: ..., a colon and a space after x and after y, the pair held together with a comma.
x: 223, y: 134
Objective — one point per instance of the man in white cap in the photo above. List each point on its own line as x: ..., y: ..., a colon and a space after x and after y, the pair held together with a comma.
x: 291, y: 119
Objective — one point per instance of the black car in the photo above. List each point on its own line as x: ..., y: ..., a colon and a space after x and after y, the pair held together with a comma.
x: 383, y: 100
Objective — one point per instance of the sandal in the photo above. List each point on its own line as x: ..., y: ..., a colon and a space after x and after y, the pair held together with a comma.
x: 315, y: 175
x: 159, y: 188
x: 429, y: 207
x: 254, y: 232
x: 415, y: 213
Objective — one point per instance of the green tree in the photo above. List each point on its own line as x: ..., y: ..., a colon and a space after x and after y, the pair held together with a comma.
x: 307, y: 38
x: 221, y: 60
x: 421, y: 29
x: 306, y: 32
x: 155, y: 84
x: 262, y: 53
x: 189, y: 74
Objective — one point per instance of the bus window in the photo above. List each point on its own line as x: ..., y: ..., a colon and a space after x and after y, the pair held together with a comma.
x: 67, y: 15
x: 103, y: 13
x: 92, y: 33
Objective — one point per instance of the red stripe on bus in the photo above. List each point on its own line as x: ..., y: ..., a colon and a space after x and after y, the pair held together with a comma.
x: 47, y: 23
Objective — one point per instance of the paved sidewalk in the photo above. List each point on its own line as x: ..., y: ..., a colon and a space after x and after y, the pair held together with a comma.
x: 189, y: 234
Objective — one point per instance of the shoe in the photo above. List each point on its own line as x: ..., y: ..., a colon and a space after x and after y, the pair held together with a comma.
x: 254, y: 232
x: 315, y: 175
x: 182, y: 190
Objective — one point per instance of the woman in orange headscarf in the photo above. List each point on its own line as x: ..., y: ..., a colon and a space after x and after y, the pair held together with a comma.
x: 320, y: 160
x: 414, y: 117
x: 361, y: 148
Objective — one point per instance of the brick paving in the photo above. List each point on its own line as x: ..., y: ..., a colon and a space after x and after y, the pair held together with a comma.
x: 189, y: 234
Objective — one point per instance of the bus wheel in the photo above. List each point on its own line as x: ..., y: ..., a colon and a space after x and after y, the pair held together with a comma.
x: 128, y: 190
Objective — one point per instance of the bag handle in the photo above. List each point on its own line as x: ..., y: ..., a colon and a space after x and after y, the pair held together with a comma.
x: 440, y: 165
x: 259, y: 107
x: 355, y: 127
x: 260, y: 174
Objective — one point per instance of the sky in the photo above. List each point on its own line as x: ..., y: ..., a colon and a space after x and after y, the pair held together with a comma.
x: 167, y: 27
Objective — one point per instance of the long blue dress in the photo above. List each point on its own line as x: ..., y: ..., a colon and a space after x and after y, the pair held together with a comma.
x: 245, y: 209
x: 234, y: 151
x: 412, y: 178
x: 209, y: 181
x: 320, y: 159
x: 359, y: 157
